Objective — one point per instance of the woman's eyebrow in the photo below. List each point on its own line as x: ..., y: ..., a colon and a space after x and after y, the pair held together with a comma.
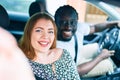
x: 50, y: 29
x: 38, y: 28
x: 43, y: 28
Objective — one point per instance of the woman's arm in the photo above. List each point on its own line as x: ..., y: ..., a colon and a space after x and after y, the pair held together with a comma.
x: 13, y: 63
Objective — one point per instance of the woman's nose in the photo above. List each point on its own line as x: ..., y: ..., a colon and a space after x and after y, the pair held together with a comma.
x: 45, y: 35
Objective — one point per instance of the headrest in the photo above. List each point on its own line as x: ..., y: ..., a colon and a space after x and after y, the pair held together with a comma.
x: 4, y: 18
x: 37, y: 6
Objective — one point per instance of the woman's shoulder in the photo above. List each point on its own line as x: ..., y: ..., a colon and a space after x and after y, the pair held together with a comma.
x: 58, y: 50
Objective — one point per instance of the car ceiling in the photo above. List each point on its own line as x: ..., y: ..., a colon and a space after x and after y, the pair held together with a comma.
x: 113, y: 2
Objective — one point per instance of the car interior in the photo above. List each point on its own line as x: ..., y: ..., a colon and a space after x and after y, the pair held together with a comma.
x: 109, y: 38
x: 4, y: 18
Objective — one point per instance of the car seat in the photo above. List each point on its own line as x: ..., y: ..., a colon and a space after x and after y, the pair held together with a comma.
x: 5, y: 21
x: 37, y: 6
x: 4, y: 18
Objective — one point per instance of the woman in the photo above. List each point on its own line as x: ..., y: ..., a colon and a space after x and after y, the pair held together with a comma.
x: 39, y: 45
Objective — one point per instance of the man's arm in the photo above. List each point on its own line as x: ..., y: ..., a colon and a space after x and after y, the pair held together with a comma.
x: 86, y: 67
x: 102, y: 26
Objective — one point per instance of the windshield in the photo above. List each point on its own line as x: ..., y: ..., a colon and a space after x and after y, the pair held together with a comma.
x: 117, y: 8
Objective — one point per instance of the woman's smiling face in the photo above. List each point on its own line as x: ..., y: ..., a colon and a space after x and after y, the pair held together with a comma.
x: 42, y: 36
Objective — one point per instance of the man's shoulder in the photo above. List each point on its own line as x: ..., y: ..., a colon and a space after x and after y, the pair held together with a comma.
x: 82, y: 24
x: 64, y: 43
x: 83, y: 28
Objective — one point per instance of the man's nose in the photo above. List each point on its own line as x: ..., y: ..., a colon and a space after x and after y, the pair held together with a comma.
x: 68, y: 23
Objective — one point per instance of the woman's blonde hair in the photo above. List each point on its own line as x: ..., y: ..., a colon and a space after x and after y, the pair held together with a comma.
x: 25, y: 41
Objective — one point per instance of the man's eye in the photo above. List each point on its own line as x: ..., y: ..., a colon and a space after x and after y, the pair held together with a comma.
x: 72, y: 22
x: 63, y: 22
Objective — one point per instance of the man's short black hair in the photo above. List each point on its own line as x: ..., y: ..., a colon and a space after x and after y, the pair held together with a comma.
x: 66, y: 8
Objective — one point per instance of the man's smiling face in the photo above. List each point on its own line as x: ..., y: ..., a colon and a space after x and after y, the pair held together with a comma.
x: 67, y: 26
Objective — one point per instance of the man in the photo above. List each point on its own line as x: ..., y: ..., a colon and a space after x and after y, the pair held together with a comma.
x: 70, y: 37
x: 13, y: 63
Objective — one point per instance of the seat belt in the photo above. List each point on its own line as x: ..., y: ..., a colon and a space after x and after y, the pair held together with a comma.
x: 76, y: 48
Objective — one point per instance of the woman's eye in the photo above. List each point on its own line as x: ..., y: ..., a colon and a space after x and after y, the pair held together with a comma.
x: 51, y: 32
x: 37, y: 30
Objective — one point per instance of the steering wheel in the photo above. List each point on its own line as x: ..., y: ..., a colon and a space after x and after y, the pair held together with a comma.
x: 111, y: 41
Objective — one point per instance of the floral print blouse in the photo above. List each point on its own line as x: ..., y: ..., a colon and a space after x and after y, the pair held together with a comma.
x: 65, y: 69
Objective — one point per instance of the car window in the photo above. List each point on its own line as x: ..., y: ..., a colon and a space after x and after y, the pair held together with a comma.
x: 97, y: 12
x: 53, y: 7
x: 94, y: 14
x: 21, y: 6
